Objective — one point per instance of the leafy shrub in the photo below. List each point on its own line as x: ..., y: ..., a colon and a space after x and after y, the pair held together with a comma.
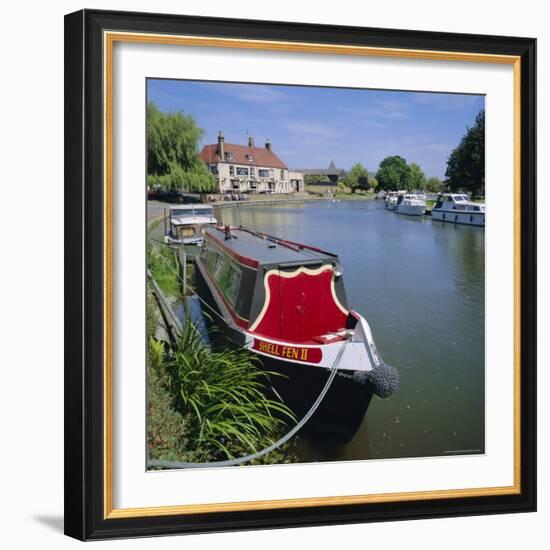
x: 225, y: 396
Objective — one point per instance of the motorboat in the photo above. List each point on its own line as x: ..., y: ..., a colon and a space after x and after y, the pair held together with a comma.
x: 285, y: 302
x: 457, y: 208
x: 391, y: 199
x: 185, y: 224
x: 410, y: 205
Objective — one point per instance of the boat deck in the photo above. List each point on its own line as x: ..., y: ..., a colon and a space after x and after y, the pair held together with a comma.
x: 267, y: 249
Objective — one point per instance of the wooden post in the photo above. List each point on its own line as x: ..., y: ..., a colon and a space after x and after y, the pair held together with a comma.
x: 182, y: 256
x: 165, y: 230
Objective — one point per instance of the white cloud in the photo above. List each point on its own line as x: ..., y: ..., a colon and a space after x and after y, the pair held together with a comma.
x: 311, y: 130
x: 254, y: 93
x: 377, y: 110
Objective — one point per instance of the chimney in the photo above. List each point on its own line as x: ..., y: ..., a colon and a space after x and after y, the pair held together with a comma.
x: 250, y: 141
x: 268, y: 145
x: 221, y: 148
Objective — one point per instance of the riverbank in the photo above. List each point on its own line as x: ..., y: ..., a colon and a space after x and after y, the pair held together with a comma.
x: 204, y: 404
x: 267, y: 200
x: 309, y: 196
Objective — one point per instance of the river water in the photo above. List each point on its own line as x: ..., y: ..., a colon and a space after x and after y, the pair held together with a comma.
x: 420, y: 284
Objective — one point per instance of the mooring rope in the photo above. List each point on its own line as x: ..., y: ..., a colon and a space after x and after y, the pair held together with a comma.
x: 273, y: 446
x: 276, y: 444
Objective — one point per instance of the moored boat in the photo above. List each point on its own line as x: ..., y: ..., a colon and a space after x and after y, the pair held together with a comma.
x: 410, y: 205
x: 457, y: 208
x: 185, y: 224
x: 286, y: 303
x: 391, y: 199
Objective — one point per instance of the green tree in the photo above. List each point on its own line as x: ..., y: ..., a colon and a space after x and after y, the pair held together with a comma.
x: 394, y: 174
x: 433, y: 184
x: 172, y: 152
x: 314, y: 179
x: 417, y: 180
x: 466, y: 164
x: 358, y: 178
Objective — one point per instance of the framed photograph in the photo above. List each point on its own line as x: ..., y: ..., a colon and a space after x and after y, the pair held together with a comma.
x: 300, y: 274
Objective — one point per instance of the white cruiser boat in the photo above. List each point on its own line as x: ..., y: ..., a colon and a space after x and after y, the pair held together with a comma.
x: 185, y: 224
x: 411, y: 205
x: 457, y: 208
x: 391, y: 199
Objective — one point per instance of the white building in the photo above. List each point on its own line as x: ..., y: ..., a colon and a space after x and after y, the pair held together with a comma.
x: 249, y: 169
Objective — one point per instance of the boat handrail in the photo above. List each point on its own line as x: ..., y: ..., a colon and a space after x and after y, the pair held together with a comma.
x: 285, y: 242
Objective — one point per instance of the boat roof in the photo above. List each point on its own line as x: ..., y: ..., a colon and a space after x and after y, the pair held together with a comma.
x: 261, y: 248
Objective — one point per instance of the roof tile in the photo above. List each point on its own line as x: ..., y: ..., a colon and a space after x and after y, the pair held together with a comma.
x: 260, y: 156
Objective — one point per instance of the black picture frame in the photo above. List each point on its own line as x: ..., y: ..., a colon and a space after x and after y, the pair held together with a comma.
x: 84, y: 282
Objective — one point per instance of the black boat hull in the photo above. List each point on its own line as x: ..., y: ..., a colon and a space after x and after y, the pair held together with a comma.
x: 343, y: 407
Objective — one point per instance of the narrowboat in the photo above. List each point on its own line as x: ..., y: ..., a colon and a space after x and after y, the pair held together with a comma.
x: 184, y: 224
x: 457, y: 208
x: 286, y: 303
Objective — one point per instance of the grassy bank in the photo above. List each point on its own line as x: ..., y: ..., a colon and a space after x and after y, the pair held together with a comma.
x: 206, y: 405
x: 343, y: 193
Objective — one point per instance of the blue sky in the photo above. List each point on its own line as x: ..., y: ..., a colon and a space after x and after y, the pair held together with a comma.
x: 310, y: 126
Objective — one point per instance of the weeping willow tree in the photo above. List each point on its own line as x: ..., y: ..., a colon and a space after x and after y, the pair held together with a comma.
x: 172, y: 152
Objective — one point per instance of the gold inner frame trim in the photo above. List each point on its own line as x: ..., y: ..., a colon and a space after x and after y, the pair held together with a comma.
x: 109, y: 39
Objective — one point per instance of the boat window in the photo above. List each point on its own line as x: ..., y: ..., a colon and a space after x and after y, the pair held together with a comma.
x: 233, y: 282
x: 182, y: 212
x: 218, y: 266
x: 450, y: 198
x: 203, y: 211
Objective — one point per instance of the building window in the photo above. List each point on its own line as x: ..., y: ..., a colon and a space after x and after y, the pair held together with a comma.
x: 231, y: 170
x: 249, y: 158
x: 228, y: 156
x: 263, y: 173
x: 242, y: 171
x: 213, y: 169
x: 282, y: 174
x: 252, y: 172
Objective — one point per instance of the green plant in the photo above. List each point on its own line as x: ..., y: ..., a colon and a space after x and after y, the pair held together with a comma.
x: 172, y: 152
x: 466, y: 164
x: 225, y: 395
x: 164, y: 267
x: 358, y: 178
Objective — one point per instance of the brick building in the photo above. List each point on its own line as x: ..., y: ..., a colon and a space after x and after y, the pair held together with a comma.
x: 249, y: 169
